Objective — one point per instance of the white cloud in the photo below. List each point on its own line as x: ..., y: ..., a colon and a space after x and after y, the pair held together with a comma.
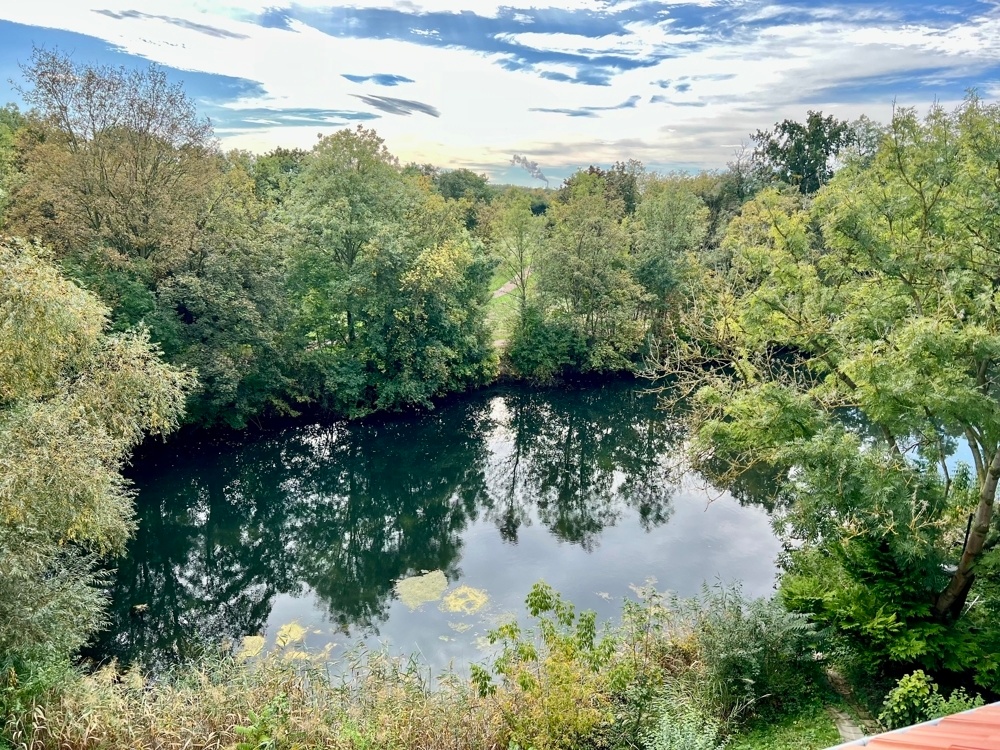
x: 761, y: 75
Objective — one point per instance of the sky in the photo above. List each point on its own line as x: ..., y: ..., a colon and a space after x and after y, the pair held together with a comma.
x: 565, y: 83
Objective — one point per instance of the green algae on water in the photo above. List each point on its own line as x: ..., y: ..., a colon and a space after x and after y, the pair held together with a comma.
x: 418, y: 590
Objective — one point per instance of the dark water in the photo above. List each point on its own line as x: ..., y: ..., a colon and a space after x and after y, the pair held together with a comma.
x: 497, y: 490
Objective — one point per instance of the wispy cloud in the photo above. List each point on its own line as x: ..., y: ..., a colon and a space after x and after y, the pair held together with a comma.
x: 382, y: 79
x: 591, y: 111
x: 508, y: 76
x: 398, y: 106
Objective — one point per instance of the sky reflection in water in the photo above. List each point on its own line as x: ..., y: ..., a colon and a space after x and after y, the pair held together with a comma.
x: 498, y: 490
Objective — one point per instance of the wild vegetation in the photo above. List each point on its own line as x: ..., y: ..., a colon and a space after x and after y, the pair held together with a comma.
x: 824, y: 312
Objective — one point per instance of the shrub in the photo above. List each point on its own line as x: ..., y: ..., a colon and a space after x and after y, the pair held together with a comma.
x: 916, y: 698
x: 752, y: 654
x: 683, y: 728
x: 555, y: 684
x: 544, y: 348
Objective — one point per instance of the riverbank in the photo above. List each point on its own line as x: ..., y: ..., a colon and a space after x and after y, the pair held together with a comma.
x: 672, y: 672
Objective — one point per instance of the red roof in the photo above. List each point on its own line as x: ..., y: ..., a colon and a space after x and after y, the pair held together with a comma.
x: 978, y: 729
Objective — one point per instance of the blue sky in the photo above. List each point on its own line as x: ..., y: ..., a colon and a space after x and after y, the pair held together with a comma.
x: 464, y: 83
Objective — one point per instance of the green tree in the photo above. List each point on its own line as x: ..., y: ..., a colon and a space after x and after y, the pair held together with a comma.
x: 74, y: 401
x: 857, y: 360
x: 349, y: 190
x: 671, y: 223
x: 515, y: 236
x: 389, y: 289
x: 584, y: 275
x: 118, y: 161
x: 11, y: 121
x: 802, y: 153
x: 275, y: 171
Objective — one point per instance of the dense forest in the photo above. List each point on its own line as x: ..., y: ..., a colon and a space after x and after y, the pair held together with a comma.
x: 822, y: 315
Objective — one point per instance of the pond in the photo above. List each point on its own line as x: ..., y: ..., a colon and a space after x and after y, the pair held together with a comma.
x: 329, y: 525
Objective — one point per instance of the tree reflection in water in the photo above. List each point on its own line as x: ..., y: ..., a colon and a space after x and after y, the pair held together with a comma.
x: 347, y: 509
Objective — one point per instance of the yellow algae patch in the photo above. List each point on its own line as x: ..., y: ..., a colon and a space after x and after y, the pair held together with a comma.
x: 296, y: 655
x: 465, y: 600
x: 417, y: 590
x: 290, y: 633
x: 252, y: 646
x: 460, y: 627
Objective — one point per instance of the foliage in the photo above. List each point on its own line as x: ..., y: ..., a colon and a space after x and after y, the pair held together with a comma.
x: 545, y: 347
x: 849, y: 345
x: 118, y: 160
x: 801, y: 154
x: 754, y: 656
x: 389, y: 290
x: 74, y: 401
x: 584, y: 276
x: 555, y: 690
x: 671, y: 223
x: 808, y: 728
x: 683, y: 729
x: 11, y: 123
x: 916, y: 698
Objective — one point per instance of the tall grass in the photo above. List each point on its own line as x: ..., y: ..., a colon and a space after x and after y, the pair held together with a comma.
x: 557, y: 686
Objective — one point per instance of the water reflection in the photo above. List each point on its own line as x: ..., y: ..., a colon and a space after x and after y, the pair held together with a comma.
x: 340, y: 512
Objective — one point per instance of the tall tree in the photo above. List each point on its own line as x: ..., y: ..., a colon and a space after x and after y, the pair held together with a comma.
x: 584, y: 273
x: 11, y: 122
x: 516, y: 235
x: 802, y: 153
x: 119, y: 161
x: 349, y: 190
x: 856, y: 361
x: 671, y: 223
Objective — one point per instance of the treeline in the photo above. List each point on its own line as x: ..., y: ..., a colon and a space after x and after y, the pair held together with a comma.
x: 336, y: 278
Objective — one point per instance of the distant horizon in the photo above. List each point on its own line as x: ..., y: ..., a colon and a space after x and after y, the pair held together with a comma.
x: 677, y: 85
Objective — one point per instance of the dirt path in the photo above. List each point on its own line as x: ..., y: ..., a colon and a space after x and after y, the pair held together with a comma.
x: 850, y: 729
x: 510, y: 286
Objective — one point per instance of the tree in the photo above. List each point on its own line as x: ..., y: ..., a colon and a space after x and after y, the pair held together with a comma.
x: 119, y: 161
x: 389, y: 289
x: 348, y: 191
x: 11, y: 122
x: 801, y: 154
x: 671, y: 223
x: 855, y: 348
x: 515, y: 236
x: 74, y: 401
x: 275, y: 171
x: 584, y: 278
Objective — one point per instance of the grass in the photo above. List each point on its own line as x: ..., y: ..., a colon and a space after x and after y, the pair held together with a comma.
x: 811, y: 728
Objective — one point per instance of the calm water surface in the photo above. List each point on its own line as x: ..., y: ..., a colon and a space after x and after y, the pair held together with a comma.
x: 317, y: 523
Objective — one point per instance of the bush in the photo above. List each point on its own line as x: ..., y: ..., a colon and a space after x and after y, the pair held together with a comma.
x: 555, y: 688
x: 544, y: 348
x: 681, y: 727
x: 916, y: 698
x: 752, y: 655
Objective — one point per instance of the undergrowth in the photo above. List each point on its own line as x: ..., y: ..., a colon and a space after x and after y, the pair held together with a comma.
x: 674, y: 673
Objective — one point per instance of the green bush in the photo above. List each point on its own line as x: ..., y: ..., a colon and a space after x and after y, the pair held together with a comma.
x: 681, y: 727
x: 754, y: 655
x: 916, y: 698
x: 545, y: 347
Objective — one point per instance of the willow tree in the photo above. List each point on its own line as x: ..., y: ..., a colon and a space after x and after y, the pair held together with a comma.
x: 74, y: 401
x: 853, y: 348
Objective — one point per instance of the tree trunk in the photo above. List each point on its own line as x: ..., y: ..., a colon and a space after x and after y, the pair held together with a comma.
x: 952, y: 599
